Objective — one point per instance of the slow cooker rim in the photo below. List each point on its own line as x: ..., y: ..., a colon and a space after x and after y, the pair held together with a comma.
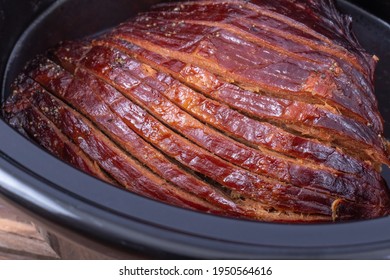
x: 88, y: 216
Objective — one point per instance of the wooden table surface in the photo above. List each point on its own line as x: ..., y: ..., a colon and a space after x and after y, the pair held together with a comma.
x: 20, y: 239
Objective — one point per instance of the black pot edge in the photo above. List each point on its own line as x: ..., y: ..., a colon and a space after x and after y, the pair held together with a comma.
x: 148, y: 240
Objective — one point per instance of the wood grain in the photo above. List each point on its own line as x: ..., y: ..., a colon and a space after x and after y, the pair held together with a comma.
x: 20, y: 238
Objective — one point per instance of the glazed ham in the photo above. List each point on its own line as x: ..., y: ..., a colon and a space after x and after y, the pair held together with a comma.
x: 256, y: 109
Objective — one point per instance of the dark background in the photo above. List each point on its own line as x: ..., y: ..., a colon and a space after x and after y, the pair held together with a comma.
x: 380, y: 8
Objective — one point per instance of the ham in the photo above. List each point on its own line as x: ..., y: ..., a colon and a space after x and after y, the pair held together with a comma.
x: 235, y: 108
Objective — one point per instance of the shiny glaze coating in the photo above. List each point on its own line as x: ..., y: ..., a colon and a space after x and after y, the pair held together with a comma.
x: 120, y: 166
x: 37, y: 127
x: 98, y: 102
x: 282, y: 197
x: 253, y: 109
x: 321, y: 122
x: 252, y: 66
x: 157, y: 101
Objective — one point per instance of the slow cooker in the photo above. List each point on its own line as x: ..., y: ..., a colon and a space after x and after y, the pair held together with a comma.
x: 91, y: 213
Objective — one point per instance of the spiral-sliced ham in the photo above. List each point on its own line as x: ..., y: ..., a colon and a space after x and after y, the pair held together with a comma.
x: 236, y: 108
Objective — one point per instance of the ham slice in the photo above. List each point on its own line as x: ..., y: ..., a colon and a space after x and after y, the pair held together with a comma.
x: 235, y: 108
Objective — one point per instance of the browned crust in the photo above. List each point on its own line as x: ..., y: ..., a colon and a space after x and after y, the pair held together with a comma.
x: 165, y: 106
